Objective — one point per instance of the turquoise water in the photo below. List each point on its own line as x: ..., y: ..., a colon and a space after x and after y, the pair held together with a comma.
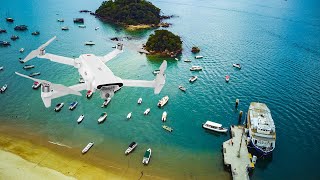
x: 276, y: 42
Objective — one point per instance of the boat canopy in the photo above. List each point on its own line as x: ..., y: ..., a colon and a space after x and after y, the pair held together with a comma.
x: 213, y: 124
x: 147, y: 154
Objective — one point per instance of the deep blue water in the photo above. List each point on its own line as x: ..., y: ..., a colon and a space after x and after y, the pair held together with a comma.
x: 276, y: 42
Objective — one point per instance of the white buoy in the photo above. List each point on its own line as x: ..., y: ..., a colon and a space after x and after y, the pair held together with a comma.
x: 254, y: 159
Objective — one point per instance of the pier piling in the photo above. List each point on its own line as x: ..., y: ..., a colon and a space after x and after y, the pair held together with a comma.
x: 237, y: 103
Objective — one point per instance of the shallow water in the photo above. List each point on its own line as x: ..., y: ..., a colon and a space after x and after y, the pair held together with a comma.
x: 276, y: 42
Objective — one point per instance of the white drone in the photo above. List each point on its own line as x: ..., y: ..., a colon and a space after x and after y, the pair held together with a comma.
x: 96, y: 74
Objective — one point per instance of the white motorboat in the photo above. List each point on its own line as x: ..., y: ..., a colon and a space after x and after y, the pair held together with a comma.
x: 167, y: 128
x: 102, y: 117
x: 89, y: 43
x: 163, y: 101
x: 237, y: 66
x: 164, y: 116
x: 73, y: 105
x: 36, y: 85
x: 176, y: 59
x: 3, y: 88
x: 262, y: 130
x: 196, y: 68
x: 131, y: 147
x: 193, y: 78
x: 82, y: 26
x: 58, y: 107
x: 155, y: 72
x: 106, y: 102
x: 89, y: 94
x: 1, y: 68
x: 86, y: 149
x: 129, y: 115
x: 139, y: 100
x: 21, y: 50
x: 214, y: 126
x: 64, y: 28
x: 146, y: 111
x: 34, y: 74
x: 199, y: 57
x: 96, y: 28
x: 182, y: 88
x: 28, y: 66
x: 60, y: 20
x: 187, y: 60
x: 79, y: 120
x: 146, y: 157
x: 227, y: 78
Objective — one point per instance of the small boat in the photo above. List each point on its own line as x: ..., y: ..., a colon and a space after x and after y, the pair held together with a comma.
x: 106, y: 102
x: 4, y: 88
x: 96, y: 28
x: 36, y: 85
x: 58, y: 107
x: 102, y: 117
x: 131, y: 147
x: 14, y: 37
x: 187, y: 60
x: 227, y: 78
x: 82, y: 26
x: 9, y: 19
x: 199, y: 57
x: 73, y: 105
x: 89, y: 43
x: 167, y: 128
x: 196, y: 68
x: 5, y: 43
x: 86, y: 149
x: 163, y: 101
x: 146, y: 112
x: 89, y: 94
x: 156, y: 71
x: 35, y: 33
x: 164, y: 116
x: 34, y: 74
x: 21, y: 50
x: 1, y: 68
x: 129, y: 115
x: 237, y: 66
x: 60, y: 20
x: 176, y: 59
x: 28, y: 66
x: 3, y: 31
x: 139, y: 100
x: 182, y: 88
x: 78, y: 20
x: 21, y: 28
x: 64, y: 28
x: 146, y: 157
x: 193, y: 78
x: 79, y: 120
x: 214, y: 126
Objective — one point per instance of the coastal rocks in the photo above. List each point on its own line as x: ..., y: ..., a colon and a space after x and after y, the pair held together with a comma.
x: 195, y: 49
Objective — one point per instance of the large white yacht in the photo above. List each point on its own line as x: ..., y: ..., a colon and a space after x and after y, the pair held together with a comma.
x: 262, y: 131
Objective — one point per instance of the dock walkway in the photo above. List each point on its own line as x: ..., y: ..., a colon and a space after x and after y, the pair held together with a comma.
x: 235, y: 153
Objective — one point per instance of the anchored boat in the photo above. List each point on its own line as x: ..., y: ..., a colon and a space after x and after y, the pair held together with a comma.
x: 164, y: 116
x: 79, y: 120
x: 131, y: 147
x: 35, y: 33
x: 163, y: 101
x: 196, y: 68
x: 182, y: 88
x: 89, y: 94
x: 73, y: 105
x: 139, y: 100
x: 64, y: 28
x: 193, y: 79
x: 262, y: 130
x: 4, y: 88
x: 129, y: 115
x: 14, y: 37
x: 28, y: 66
x: 187, y: 60
x: 214, y: 126
x: 106, y: 102
x: 199, y: 57
x: 58, y: 107
x: 102, y: 117
x: 89, y: 43
x: 36, y: 85
x: 227, y: 78
x: 86, y: 149
x: 34, y: 74
x: 146, y: 157
x: 167, y: 128
x: 146, y: 111
x: 237, y: 66
x: 21, y: 50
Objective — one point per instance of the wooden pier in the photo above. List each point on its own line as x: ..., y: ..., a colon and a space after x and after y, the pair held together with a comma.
x: 236, y: 155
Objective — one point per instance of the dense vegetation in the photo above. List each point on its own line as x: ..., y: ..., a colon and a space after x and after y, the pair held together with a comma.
x: 129, y: 12
x: 164, y: 43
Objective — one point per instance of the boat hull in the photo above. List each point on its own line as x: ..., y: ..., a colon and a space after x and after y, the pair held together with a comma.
x: 213, y: 129
x: 257, y: 151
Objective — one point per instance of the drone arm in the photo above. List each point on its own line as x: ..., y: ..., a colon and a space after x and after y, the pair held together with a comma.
x: 58, y: 59
x: 112, y: 54
x: 138, y: 83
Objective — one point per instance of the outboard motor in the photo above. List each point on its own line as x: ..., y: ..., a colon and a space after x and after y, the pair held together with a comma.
x: 107, y: 91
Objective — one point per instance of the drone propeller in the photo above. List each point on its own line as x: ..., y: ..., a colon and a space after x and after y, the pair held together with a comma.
x: 37, y: 52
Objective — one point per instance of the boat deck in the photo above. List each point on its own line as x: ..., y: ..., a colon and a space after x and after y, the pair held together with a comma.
x: 235, y: 153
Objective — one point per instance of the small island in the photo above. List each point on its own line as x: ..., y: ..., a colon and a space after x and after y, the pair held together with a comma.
x: 164, y: 43
x: 138, y: 14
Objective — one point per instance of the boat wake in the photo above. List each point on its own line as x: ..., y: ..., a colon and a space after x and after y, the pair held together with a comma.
x: 59, y: 144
